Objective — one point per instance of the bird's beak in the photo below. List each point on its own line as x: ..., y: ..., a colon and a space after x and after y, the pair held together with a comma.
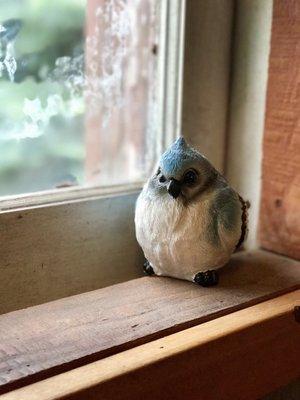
x: 174, y: 188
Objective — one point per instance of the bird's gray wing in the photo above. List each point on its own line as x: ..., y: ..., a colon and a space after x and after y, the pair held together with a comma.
x: 225, y: 213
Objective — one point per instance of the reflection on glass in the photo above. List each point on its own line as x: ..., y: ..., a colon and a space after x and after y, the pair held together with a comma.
x: 76, y: 98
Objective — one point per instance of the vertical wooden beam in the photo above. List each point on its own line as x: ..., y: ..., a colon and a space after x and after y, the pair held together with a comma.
x: 280, y: 205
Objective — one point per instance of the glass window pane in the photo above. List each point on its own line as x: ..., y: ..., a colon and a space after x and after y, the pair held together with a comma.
x: 77, y: 92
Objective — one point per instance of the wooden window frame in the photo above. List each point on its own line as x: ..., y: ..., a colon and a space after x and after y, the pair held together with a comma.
x: 56, y: 219
x: 169, y: 105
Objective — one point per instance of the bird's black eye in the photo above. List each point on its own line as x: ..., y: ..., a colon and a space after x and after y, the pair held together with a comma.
x: 162, y: 179
x: 190, y: 177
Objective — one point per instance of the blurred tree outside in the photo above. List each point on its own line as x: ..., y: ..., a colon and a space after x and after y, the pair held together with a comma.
x: 41, y: 94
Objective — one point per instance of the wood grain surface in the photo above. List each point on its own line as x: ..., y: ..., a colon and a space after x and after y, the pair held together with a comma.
x: 243, y: 356
x: 43, y: 340
x: 280, y: 204
x: 50, y: 252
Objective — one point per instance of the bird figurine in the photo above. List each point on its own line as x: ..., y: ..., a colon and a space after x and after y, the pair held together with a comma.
x: 188, y: 219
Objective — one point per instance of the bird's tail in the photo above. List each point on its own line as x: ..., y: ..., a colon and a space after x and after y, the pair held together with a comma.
x: 244, y: 226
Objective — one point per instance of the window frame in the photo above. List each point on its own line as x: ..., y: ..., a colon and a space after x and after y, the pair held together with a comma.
x: 40, y: 231
x: 168, y: 99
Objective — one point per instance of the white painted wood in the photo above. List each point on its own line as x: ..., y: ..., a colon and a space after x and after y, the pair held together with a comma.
x: 208, y: 39
x: 171, y: 71
x: 60, y: 250
x: 65, y: 195
x: 247, y: 106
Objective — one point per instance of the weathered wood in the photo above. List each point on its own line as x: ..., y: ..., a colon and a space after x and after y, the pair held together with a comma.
x: 280, y: 204
x: 60, y: 250
x: 53, y: 337
x: 290, y: 391
x: 243, y: 355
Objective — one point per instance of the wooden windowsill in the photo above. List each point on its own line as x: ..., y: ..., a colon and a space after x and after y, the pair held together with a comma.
x: 243, y: 355
x: 49, y: 339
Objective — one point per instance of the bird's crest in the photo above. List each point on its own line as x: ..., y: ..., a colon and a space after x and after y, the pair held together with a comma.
x: 177, y: 157
x: 179, y: 144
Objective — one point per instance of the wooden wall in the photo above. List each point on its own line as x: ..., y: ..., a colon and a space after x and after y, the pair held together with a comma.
x: 280, y: 203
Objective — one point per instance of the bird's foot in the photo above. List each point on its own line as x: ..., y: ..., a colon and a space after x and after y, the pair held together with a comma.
x: 148, y: 268
x: 207, y: 278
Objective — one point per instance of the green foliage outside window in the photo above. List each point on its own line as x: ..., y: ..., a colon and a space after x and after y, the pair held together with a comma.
x: 41, y: 105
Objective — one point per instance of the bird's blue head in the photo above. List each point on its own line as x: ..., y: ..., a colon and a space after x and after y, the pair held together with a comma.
x: 177, y: 158
x: 183, y: 171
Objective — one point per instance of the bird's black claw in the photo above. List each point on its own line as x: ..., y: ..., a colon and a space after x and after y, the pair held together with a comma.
x: 147, y: 268
x: 207, y: 278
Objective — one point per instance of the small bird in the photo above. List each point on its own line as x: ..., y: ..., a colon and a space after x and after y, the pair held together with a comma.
x: 188, y: 219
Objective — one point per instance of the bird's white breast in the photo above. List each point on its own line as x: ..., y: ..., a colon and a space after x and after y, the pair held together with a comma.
x: 174, y: 236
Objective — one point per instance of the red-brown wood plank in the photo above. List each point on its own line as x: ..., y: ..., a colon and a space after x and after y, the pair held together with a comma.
x: 280, y: 204
x: 40, y: 341
x: 243, y: 355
